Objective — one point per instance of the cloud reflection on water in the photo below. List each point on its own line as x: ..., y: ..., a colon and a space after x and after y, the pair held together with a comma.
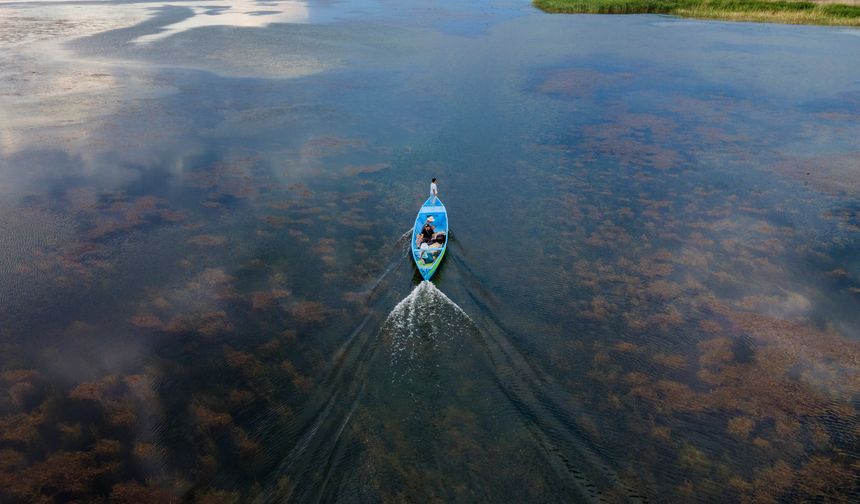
x: 235, y: 13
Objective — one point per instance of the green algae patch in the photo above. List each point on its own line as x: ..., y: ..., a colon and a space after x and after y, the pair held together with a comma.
x: 731, y: 10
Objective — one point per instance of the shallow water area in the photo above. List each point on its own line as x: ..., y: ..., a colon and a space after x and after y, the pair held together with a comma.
x: 650, y: 290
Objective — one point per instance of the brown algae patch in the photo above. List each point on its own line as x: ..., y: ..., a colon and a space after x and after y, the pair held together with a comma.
x: 207, y: 240
x: 836, y: 174
x: 578, y: 82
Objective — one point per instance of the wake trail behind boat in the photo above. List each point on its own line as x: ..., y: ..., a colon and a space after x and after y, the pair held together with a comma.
x: 404, y: 395
x: 405, y: 242
x: 423, y: 319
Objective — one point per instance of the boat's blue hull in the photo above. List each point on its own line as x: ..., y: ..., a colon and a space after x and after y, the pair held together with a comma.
x: 428, y: 260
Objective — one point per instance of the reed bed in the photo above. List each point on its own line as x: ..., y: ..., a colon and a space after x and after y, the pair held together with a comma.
x: 777, y: 11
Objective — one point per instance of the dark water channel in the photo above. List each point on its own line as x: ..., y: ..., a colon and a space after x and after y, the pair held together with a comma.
x: 651, y: 291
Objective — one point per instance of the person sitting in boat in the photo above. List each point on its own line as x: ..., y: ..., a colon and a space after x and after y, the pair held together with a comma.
x: 427, y: 231
x: 438, y: 240
x: 430, y: 249
x: 424, y: 249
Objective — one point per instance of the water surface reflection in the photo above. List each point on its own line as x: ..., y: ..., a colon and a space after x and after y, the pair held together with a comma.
x: 651, y: 292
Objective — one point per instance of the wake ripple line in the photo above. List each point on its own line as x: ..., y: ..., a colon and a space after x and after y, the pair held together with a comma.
x: 551, y: 422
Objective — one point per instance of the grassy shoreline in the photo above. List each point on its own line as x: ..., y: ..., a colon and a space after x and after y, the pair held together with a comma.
x: 776, y: 11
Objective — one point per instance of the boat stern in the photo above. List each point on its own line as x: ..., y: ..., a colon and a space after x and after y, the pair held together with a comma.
x: 428, y: 271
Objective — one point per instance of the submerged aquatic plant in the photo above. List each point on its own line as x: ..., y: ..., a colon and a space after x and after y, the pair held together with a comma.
x: 207, y: 240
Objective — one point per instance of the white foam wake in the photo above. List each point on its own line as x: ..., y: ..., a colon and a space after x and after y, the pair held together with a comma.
x: 422, y: 321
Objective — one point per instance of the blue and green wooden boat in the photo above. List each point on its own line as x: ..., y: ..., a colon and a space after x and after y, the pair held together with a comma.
x: 428, y: 259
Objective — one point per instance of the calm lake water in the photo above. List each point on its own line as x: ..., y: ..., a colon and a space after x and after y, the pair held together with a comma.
x: 652, y: 291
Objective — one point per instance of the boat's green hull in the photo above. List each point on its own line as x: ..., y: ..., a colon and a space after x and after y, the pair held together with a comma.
x: 432, y: 207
